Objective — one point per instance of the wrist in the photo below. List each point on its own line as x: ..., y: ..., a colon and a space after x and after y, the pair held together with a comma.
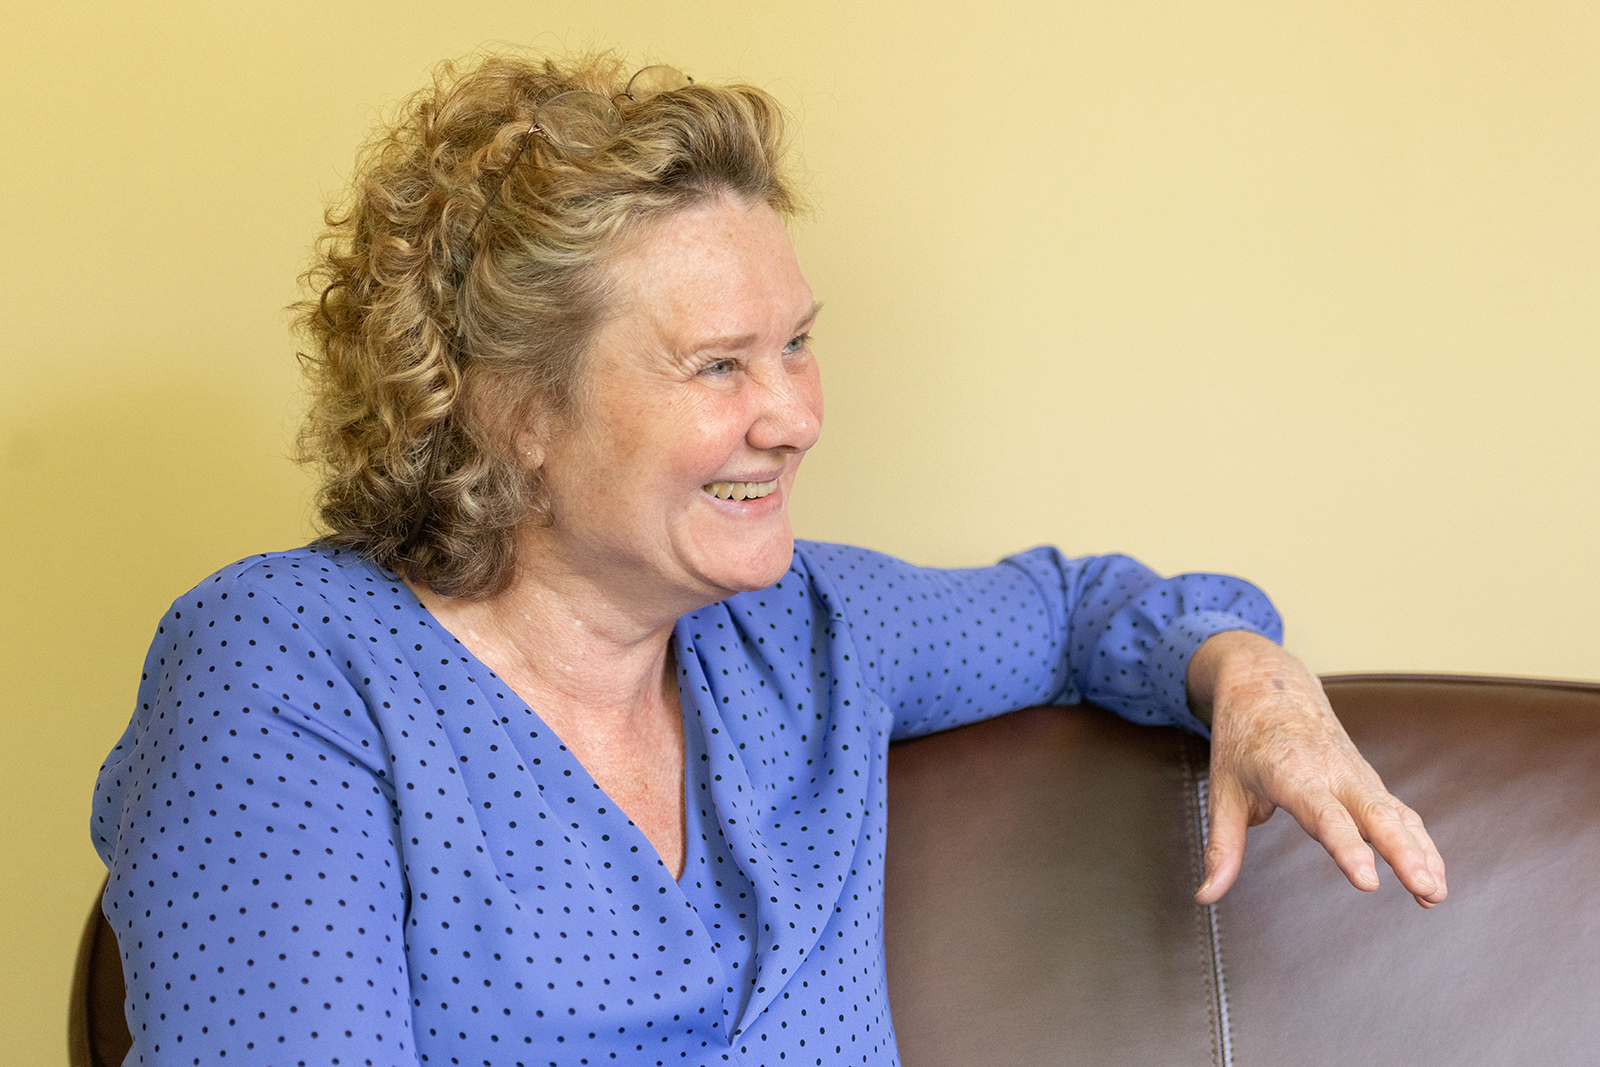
x: 1220, y: 655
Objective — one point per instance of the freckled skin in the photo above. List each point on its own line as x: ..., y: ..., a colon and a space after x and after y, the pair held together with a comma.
x: 1275, y: 742
x: 703, y: 375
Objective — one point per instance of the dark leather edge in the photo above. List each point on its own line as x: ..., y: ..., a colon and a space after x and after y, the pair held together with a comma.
x: 1459, y: 679
x: 80, y: 1046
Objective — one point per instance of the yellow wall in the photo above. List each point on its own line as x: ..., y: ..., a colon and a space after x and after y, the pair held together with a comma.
x: 1306, y: 292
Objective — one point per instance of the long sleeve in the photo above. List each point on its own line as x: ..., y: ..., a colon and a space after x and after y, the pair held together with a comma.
x: 946, y: 647
x: 255, y: 883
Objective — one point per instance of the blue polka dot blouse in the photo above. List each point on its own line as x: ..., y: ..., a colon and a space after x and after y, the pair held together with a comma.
x: 335, y: 837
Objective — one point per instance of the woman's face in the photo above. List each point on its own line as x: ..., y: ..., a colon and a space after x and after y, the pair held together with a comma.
x: 670, y: 489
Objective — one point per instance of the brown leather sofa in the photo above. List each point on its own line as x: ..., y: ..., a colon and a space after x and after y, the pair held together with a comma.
x: 1041, y: 866
x: 1039, y: 910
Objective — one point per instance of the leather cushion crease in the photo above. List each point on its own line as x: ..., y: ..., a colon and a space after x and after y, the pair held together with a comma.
x: 1039, y: 904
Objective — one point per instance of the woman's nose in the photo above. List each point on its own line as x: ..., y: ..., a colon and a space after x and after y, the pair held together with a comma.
x: 789, y: 418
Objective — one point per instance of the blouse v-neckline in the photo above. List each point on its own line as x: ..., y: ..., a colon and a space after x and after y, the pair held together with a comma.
x: 713, y: 888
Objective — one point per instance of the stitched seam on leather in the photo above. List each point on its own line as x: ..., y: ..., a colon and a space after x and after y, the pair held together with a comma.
x: 1197, y: 802
x: 1193, y: 831
x: 1219, y: 969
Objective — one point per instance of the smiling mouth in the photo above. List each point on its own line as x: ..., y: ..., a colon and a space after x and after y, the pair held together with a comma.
x: 740, y: 490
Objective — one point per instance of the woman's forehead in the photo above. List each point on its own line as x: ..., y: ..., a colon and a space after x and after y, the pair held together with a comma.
x: 714, y: 274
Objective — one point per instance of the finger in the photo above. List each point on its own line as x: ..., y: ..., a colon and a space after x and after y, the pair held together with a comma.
x: 1227, y: 825
x: 1400, y: 838
x: 1435, y: 860
x: 1333, y: 828
x: 1437, y: 869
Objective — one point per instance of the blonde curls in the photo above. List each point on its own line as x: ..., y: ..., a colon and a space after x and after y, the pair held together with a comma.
x: 459, y: 287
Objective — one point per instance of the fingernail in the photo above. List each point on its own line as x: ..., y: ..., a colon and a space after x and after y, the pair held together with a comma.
x: 1368, y: 877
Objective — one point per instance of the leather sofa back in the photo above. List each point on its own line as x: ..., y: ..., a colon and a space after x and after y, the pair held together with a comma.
x: 1041, y: 867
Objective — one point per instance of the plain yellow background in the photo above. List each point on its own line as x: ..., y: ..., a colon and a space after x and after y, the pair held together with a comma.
x: 1301, y: 291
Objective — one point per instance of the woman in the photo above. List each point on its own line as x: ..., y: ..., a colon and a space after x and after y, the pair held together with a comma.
x: 557, y: 748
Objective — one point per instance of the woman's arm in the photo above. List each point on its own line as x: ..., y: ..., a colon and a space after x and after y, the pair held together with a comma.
x: 945, y: 647
x: 257, y: 889
x: 1275, y: 742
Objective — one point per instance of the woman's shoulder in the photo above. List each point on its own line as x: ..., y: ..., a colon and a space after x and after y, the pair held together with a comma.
x: 830, y: 563
x: 296, y: 575
x: 849, y: 572
x: 307, y: 589
x: 845, y: 583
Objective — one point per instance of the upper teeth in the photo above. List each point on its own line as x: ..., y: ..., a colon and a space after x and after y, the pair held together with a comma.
x: 740, y: 490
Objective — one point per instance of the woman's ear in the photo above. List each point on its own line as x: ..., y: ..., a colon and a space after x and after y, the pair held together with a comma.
x: 532, y: 428
x: 530, y: 447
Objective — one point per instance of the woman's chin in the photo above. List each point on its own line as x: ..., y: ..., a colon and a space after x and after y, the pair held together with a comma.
x: 757, y: 568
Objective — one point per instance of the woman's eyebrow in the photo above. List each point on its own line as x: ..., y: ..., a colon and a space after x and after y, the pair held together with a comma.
x: 740, y: 341
x: 811, y: 317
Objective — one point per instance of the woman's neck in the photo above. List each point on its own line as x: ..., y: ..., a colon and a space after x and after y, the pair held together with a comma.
x: 601, y: 678
x: 561, y: 646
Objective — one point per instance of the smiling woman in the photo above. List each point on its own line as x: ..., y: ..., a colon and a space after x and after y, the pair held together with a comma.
x: 702, y: 399
x: 461, y: 288
x: 556, y: 747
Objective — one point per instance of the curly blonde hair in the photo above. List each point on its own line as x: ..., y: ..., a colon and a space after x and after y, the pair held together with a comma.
x: 459, y: 286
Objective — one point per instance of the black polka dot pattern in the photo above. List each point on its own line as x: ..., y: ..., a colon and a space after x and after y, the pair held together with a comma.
x: 335, y: 837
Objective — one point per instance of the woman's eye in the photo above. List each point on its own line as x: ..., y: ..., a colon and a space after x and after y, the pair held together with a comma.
x: 797, y: 344
x: 718, y: 366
